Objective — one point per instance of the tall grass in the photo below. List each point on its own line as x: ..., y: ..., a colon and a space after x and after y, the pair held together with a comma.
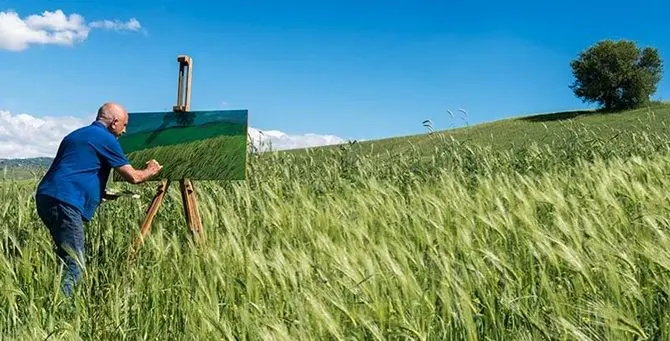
x: 563, y: 241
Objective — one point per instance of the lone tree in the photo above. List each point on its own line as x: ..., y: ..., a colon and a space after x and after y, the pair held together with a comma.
x: 616, y: 74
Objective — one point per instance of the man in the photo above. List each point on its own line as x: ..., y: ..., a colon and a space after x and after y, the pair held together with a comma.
x: 74, y: 185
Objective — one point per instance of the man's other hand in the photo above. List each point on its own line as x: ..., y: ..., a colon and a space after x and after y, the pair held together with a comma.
x: 135, y: 176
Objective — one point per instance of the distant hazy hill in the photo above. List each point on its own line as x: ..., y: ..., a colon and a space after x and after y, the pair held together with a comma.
x: 39, y: 162
x: 19, y: 169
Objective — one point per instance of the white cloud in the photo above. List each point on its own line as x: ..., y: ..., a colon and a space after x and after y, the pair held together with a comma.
x: 57, y: 28
x: 277, y: 140
x: 23, y: 136
x: 116, y: 25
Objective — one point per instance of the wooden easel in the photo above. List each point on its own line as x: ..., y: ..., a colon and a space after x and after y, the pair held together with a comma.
x: 187, y: 190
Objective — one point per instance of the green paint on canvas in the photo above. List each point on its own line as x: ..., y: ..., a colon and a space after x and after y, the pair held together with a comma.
x: 199, y: 145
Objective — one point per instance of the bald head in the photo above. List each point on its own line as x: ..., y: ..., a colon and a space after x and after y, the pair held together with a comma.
x: 108, y: 112
x: 114, y: 117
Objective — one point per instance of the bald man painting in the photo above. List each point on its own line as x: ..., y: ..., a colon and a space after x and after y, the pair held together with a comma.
x: 73, y: 187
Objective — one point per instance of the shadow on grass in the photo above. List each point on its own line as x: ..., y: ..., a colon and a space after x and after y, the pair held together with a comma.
x: 558, y: 116
x: 566, y: 115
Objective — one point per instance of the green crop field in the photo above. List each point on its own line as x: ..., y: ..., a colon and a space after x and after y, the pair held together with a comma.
x: 523, y: 229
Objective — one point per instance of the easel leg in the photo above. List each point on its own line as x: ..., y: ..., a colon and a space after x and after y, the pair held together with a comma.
x: 191, y: 208
x: 151, y: 212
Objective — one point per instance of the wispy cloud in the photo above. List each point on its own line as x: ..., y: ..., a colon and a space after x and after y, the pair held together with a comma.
x: 55, y: 28
x: 265, y: 140
x: 24, y: 136
x: 116, y: 25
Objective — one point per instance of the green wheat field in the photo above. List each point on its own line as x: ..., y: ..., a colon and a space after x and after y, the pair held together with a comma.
x: 562, y: 234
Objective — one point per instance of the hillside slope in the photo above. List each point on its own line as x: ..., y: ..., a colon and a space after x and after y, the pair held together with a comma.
x: 543, y: 129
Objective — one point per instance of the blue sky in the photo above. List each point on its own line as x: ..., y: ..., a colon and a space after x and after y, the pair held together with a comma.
x: 354, y: 69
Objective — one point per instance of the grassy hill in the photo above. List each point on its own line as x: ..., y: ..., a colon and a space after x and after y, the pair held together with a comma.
x: 545, y: 227
x: 548, y: 129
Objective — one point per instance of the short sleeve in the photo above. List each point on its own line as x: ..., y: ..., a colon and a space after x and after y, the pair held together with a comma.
x: 112, y: 153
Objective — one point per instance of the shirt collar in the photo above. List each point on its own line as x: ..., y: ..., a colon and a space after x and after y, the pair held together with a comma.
x: 100, y: 125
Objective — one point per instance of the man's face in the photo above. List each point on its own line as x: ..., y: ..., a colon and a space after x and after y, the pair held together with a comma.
x: 118, y: 126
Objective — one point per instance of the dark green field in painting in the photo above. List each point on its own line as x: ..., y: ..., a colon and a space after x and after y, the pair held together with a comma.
x: 200, y: 145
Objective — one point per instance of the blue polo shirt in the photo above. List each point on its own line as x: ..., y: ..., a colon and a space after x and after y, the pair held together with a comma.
x: 79, y: 172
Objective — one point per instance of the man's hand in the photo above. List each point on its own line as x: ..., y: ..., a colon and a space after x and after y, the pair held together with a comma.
x: 136, y: 176
x: 153, y: 166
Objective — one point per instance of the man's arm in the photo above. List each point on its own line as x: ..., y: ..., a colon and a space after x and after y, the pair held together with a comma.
x: 136, y: 176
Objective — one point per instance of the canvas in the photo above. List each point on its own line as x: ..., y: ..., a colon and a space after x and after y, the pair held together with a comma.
x: 198, y: 145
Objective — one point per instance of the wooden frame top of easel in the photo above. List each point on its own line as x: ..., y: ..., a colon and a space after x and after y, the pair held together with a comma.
x: 184, y: 90
x: 187, y: 190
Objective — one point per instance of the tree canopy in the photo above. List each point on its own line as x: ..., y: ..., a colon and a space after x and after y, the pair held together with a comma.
x: 616, y: 74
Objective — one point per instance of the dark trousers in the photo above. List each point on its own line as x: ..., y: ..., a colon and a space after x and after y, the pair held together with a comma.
x: 66, y: 226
